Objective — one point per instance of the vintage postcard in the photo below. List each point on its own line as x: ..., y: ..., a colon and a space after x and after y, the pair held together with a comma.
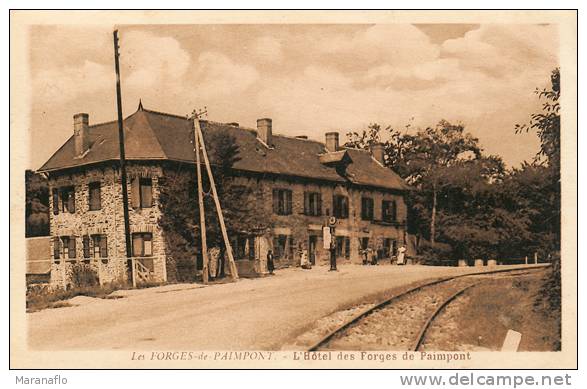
x: 267, y: 189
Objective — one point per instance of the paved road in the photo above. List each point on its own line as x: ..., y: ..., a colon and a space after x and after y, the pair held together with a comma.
x: 259, y: 314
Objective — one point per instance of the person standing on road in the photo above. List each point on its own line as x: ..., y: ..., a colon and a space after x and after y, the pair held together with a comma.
x: 270, y: 264
x: 401, y: 252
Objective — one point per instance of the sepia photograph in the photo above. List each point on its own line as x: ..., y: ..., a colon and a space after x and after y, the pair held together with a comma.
x: 303, y: 189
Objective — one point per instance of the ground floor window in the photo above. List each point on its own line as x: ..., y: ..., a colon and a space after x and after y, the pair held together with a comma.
x: 364, y: 243
x: 283, y: 247
x: 142, y: 244
x: 100, y: 246
x: 389, y: 247
x: 244, y: 247
x: 64, y: 247
x: 343, y: 247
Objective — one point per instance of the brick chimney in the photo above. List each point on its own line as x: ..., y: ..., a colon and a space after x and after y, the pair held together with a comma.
x: 332, y: 141
x: 265, y: 131
x: 378, y: 152
x: 81, y: 133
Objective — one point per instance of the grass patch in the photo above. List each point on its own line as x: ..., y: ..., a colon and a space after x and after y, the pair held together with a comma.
x: 41, y: 298
x: 486, y: 312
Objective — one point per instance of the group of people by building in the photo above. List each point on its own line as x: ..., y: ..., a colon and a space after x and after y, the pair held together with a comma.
x: 370, y: 257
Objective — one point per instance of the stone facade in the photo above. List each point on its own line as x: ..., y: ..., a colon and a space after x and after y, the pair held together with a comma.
x: 303, y: 228
x: 302, y: 232
x: 107, y: 221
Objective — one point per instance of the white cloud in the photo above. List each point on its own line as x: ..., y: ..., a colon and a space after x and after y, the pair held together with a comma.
x: 218, y: 75
x: 395, y: 44
x: 56, y: 85
x: 325, y: 79
x: 152, y: 60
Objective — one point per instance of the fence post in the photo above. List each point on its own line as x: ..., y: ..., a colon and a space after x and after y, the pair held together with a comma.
x: 134, y: 272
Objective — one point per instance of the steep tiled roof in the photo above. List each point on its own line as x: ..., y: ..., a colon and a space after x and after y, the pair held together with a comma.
x: 154, y: 135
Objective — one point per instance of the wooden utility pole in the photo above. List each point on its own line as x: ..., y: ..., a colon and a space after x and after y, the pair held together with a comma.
x: 232, y: 264
x: 201, y: 203
x: 123, y: 179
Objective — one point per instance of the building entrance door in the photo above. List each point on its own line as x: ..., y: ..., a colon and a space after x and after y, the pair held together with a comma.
x: 312, y: 243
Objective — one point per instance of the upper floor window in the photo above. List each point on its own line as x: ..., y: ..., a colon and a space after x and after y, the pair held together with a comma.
x: 142, y: 244
x: 64, y: 199
x: 366, y: 208
x: 312, y: 204
x: 142, y: 192
x: 389, y: 211
x: 340, y: 206
x: 95, y: 197
x: 282, y: 201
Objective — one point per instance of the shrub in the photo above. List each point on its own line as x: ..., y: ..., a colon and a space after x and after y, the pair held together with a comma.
x: 84, y: 275
x: 438, y: 255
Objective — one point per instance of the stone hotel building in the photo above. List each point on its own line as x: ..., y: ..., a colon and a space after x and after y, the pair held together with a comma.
x: 300, y: 182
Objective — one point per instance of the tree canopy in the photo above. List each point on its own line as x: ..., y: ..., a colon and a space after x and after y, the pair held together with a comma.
x: 466, y: 199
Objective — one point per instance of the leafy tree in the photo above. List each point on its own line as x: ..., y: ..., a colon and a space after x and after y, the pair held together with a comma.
x: 180, y: 211
x: 546, y: 124
x: 37, y: 205
x: 468, y: 199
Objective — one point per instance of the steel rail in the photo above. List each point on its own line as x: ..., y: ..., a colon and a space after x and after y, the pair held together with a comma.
x: 326, y: 338
x: 424, y: 328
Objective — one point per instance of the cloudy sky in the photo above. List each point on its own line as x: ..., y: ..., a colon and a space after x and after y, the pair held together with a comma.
x: 310, y: 79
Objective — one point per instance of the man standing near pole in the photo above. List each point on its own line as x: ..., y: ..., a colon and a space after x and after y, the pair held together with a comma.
x: 332, y: 248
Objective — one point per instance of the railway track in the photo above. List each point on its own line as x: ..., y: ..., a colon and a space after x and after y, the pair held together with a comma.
x: 401, y: 321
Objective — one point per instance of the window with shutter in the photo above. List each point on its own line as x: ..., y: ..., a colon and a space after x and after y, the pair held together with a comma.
x: 71, y: 250
x: 146, y: 192
x: 135, y: 193
x: 103, y: 246
x: 394, y: 211
x: 307, y: 209
x: 86, y: 246
x: 288, y: 202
